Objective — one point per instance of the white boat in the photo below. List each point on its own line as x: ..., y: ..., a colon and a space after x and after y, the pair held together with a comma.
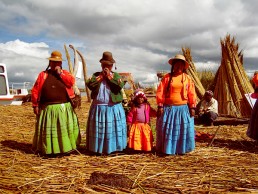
x: 13, y: 95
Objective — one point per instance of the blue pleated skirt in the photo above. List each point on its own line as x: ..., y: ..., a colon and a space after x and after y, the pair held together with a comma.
x: 106, y: 129
x: 175, y: 131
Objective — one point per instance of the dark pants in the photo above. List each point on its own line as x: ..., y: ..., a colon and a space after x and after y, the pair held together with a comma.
x: 252, y: 130
x: 208, y: 118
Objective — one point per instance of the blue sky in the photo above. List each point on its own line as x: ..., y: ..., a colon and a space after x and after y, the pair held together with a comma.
x: 141, y: 34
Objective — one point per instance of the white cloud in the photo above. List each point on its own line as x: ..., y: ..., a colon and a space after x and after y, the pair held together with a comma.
x: 28, y: 49
x: 209, y: 66
x: 23, y: 60
x: 19, y: 74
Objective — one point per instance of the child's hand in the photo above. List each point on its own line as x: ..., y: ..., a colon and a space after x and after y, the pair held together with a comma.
x: 128, y: 129
x: 129, y: 126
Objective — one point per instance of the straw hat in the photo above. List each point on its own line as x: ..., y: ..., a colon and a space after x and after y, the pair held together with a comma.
x: 107, y: 58
x: 55, y: 56
x: 179, y: 57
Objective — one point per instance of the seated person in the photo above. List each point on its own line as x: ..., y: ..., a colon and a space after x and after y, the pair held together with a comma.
x: 208, y: 111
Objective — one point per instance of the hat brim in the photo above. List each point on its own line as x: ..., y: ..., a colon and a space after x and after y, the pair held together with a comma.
x: 107, y: 62
x: 54, y: 59
x: 170, y: 61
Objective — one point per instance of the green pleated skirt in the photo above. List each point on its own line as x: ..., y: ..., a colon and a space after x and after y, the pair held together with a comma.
x: 57, y: 130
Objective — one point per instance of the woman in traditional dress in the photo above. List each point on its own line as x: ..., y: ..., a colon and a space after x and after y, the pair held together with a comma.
x: 252, y: 130
x: 176, y: 99
x: 106, y: 126
x: 57, y: 129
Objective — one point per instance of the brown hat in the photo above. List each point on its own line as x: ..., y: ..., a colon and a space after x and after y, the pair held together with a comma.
x: 107, y: 58
x: 179, y: 57
x: 55, y: 56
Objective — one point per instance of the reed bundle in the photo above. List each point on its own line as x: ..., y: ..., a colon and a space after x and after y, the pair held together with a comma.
x: 231, y: 82
x: 193, y: 73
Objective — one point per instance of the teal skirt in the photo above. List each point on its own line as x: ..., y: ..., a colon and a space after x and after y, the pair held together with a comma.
x: 57, y: 130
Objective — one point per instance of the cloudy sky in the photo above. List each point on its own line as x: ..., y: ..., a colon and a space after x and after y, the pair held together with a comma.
x: 141, y: 34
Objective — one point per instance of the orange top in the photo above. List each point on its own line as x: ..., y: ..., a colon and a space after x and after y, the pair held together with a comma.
x: 176, y: 86
x: 182, y: 91
x: 255, y: 79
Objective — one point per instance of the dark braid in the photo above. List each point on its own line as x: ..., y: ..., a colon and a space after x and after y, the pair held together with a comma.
x: 171, y: 75
x: 170, y: 79
x: 48, y: 66
x: 184, y: 71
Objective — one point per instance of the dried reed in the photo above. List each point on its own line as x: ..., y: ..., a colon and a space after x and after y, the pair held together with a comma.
x: 230, y: 164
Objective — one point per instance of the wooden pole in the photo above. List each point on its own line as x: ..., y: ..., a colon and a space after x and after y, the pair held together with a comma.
x: 84, y: 74
x: 76, y: 60
x: 70, y: 65
x: 74, y: 72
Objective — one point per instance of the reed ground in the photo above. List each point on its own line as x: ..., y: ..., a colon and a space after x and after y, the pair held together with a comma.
x: 228, y: 165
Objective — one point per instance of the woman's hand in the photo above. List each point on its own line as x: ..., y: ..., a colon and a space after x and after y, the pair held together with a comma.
x: 36, y: 110
x: 58, y: 70
x: 160, y: 112
x: 106, y: 71
x: 192, y: 112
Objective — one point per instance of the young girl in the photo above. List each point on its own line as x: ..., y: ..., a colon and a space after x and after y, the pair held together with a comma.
x: 138, y: 119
